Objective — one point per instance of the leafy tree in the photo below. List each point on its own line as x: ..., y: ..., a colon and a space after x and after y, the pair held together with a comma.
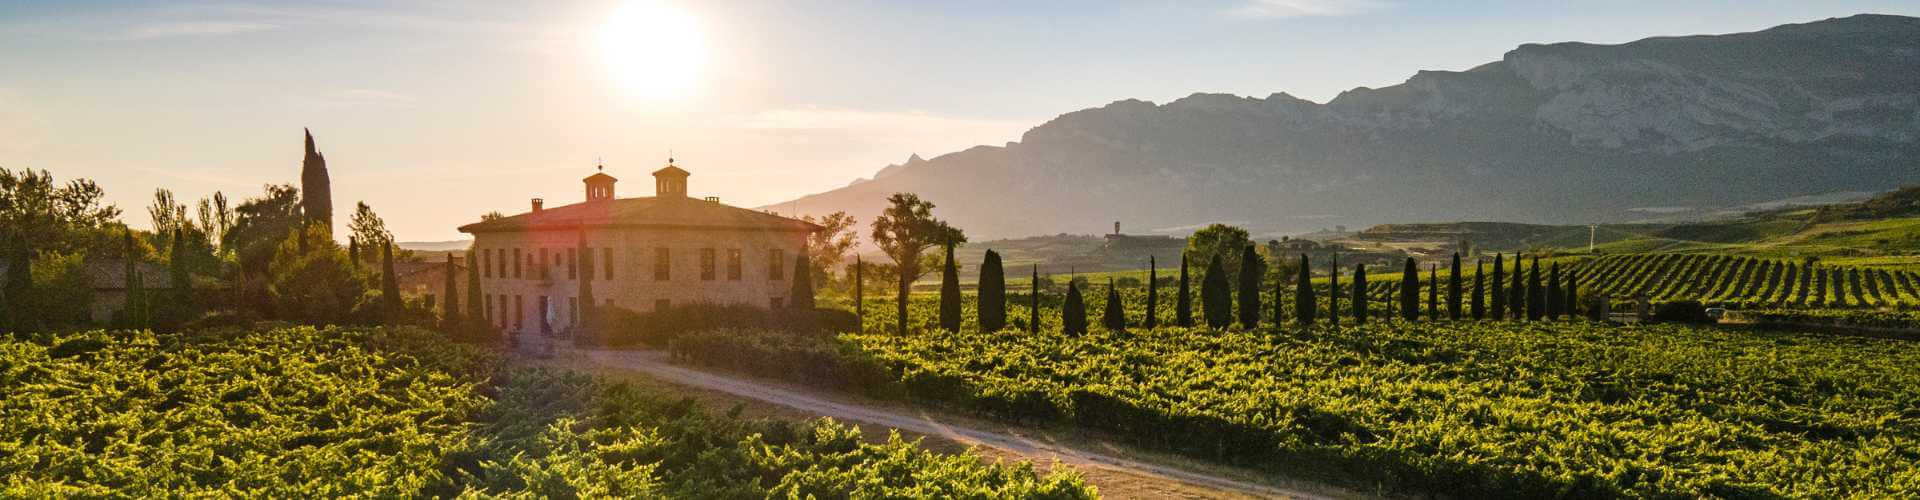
x: 1153, y: 294
x: 829, y: 247
x: 261, y: 224
x: 1304, y: 303
x: 1219, y: 242
x: 1073, y: 313
x: 801, y: 297
x: 62, y: 293
x: 903, y: 230
x: 37, y: 215
x: 992, y: 296
x: 316, y: 286
x: 1360, y: 294
x: 367, y: 227
x: 1183, y: 298
x: 1250, y: 273
x: 1115, y: 318
x: 1499, y: 293
x: 949, y: 293
x: 1216, y: 304
x: 1409, y: 292
x: 1479, y: 292
x: 1453, y: 289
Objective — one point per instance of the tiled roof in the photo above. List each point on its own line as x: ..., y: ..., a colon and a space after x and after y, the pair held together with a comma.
x: 664, y: 212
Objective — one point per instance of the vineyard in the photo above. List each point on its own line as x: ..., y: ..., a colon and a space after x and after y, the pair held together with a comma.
x: 304, y: 412
x: 1749, y: 283
x: 1478, y: 409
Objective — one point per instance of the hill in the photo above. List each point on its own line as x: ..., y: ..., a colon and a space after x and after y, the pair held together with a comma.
x: 1551, y: 133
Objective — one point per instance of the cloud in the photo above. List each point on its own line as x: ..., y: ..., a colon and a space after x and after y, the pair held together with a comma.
x: 1280, y: 9
x: 152, y: 31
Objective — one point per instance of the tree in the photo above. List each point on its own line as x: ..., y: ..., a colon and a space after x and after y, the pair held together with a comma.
x: 1073, y: 313
x: 1453, y: 289
x: 476, y: 309
x: 450, y: 307
x: 366, y: 227
x: 583, y: 324
x: 389, y: 285
x: 134, y: 309
x: 801, y: 297
x: 1219, y: 242
x: 828, y: 247
x: 1499, y: 293
x: 353, y: 251
x: 1153, y: 294
x: 37, y: 215
x: 318, y: 203
x: 903, y: 230
x: 1250, y: 288
x: 1216, y: 302
x: 1333, y: 290
x: 1433, y: 292
x: 316, y: 286
x: 1572, y: 302
x: 1279, y: 297
x: 1409, y: 292
x: 1479, y: 292
x: 1033, y: 299
x: 180, y: 307
x: 1517, y: 290
x: 1183, y: 298
x: 949, y: 293
x: 859, y: 295
x: 1115, y: 318
x: 1553, y: 292
x: 1303, y: 300
x: 992, y: 294
x: 62, y: 291
x: 1360, y: 294
x: 260, y: 224
x: 1536, y: 308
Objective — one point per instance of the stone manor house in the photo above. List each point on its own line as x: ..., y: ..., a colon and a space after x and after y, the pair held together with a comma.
x: 646, y: 254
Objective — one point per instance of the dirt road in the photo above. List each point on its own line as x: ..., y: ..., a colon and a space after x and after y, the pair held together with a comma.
x: 655, y: 364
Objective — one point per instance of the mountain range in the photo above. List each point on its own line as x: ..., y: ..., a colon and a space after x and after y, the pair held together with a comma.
x: 1551, y: 133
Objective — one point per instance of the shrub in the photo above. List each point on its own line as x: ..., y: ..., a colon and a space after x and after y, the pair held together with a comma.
x: 1681, y: 311
x: 626, y: 328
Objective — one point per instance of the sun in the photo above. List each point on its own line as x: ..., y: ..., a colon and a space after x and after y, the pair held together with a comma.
x: 654, y: 50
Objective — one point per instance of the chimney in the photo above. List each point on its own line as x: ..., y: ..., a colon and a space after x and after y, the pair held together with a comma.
x: 536, y: 205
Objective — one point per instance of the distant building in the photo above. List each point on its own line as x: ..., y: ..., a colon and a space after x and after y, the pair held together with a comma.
x: 1295, y: 244
x: 647, y: 254
x: 109, y: 279
x: 428, y: 279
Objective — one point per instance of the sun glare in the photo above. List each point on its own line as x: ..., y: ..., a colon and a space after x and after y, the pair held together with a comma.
x: 653, y: 49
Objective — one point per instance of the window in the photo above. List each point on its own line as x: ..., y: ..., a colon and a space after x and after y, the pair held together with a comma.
x: 486, y: 261
x: 706, y: 264
x: 662, y: 264
x: 546, y: 266
x: 541, y: 314
x: 519, y: 313
x: 488, y: 300
x: 606, y: 261
x: 662, y: 305
x: 733, y: 264
x: 503, y: 311
x: 573, y: 264
x: 777, y: 302
x: 776, y: 264
x: 516, y: 263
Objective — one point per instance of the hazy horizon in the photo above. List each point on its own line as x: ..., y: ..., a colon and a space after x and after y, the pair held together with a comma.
x: 483, y: 106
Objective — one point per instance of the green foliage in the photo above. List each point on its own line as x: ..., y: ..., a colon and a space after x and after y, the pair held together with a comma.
x: 1479, y: 291
x: 1453, y: 289
x: 904, y: 230
x: 1216, y: 301
x: 61, y: 293
x: 801, y: 297
x: 1183, y: 300
x: 1747, y: 283
x: 317, y: 286
x: 1409, y: 292
x: 1359, y: 294
x: 1499, y: 292
x: 992, y: 297
x: 1115, y: 316
x: 625, y: 328
x: 1219, y: 242
x: 1152, y: 319
x: 1304, y: 305
x: 1249, y: 289
x: 949, y: 292
x: 1681, y: 311
x: 1073, y: 313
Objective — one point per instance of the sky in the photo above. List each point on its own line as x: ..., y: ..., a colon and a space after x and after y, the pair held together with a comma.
x: 435, y: 112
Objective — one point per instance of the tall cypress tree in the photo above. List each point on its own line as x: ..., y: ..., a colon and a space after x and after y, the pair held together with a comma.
x: 1536, y: 308
x: 1553, y: 292
x: 1453, y: 289
x: 1153, y: 294
x: 1073, y: 313
x: 450, y: 308
x: 1572, y: 302
x: 1360, y: 294
x: 1517, y: 290
x: 476, y: 307
x: 1033, y: 302
x: 1115, y: 318
x: 389, y: 286
x: 1216, y: 300
x: 1479, y: 291
x: 1250, y: 265
x: 993, y: 294
x: 1433, y: 292
x: 1333, y: 290
x: 586, y: 284
x: 1499, y: 288
x: 801, y: 297
x: 1409, y: 292
x: 949, y: 293
x: 1183, y: 298
x: 1304, y: 303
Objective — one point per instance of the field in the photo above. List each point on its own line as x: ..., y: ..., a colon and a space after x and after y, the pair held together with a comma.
x: 305, y: 412
x: 1471, y: 409
x: 1748, y: 282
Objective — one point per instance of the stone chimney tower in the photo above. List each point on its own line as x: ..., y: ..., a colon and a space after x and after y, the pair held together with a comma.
x: 670, y: 182
x: 600, y: 186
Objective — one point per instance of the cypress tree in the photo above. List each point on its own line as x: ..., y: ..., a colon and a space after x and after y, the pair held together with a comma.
x: 1572, y: 302
x: 1499, y: 288
x: 801, y: 297
x: 1333, y: 290
x: 1033, y: 298
x: 1409, y: 292
x: 1536, y: 309
x: 134, y: 308
x: 993, y: 294
x: 1517, y: 290
x: 389, y: 286
x: 1115, y: 318
x: 1553, y: 292
x: 1303, y: 299
x: 1216, y: 302
x: 450, y: 309
x: 1153, y: 294
x: 949, y: 293
x: 1453, y: 289
x: 353, y: 253
x: 476, y: 307
x: 1359, y: 294
x: 859, y: 293
x: 1479, y: 291
x: 1183, y: 298
x: 1250, y: 265
x: 180, y: 276
x: 1073, y: 313
x: 1433, y: 292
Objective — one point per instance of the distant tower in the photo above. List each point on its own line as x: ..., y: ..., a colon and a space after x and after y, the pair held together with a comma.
x: 1116, y: 228
x: 316, y: 191
x: 670, y: 182
x: 599, y: 185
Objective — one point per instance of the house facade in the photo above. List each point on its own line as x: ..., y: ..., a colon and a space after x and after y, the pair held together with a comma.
x: 641, y: 254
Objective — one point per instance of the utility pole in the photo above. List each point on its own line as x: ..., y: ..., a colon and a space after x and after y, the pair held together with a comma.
x: 1591, y: 230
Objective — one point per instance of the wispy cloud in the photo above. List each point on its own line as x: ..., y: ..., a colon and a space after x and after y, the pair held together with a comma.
x: 152, y: 31
x: 1277, y: 9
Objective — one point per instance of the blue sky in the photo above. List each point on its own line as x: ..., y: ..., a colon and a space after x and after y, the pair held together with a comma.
x: 436, y: 112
